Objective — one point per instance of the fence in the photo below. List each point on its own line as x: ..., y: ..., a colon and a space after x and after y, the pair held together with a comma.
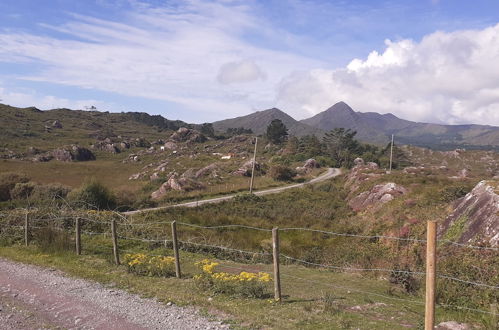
x: 176, y: 244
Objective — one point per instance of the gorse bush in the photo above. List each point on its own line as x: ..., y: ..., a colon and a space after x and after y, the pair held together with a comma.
x: 93, y: 195
x: 8, y: 181
x: 142, y: 264
x: 244, y: 284
x: 281, y: 173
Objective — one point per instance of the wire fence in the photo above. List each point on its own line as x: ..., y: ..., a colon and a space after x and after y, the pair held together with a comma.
x: 66, y: 225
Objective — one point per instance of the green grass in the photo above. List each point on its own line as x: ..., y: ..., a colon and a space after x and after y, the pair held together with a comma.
x: 322, y: 300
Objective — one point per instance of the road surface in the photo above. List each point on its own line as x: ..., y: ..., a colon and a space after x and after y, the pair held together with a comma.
x: 330, y: 173
x: 33, y: 297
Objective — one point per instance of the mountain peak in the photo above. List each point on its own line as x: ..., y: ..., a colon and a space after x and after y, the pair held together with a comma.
x: 341, y: 107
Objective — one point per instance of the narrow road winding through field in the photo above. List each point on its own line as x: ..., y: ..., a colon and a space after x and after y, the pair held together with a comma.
x: 330, y: 173
x: 32, y: 297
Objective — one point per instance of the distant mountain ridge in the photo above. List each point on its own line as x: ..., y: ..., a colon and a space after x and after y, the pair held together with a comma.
x: 377, y: 128
x: 258, y: 122
x: 373, y: 127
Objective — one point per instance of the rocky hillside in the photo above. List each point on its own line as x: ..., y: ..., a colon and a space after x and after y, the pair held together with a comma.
x: 258, y: 122
x: 374, y: 127
x: 475, y: 219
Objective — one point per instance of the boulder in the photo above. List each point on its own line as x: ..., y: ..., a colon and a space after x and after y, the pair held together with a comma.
x: 170, y: 145
x: 378, y: 195
x: 56, y: 124
x: 358, y: 161
x: 184, y: 134
x: 107, y: 146
x: 311, y: 164
x: 124, y: 145
x: 208, y: 170
x: 453, y: 325
x: 475, y: 218
x: 246, y: 168
x: 182, y: 184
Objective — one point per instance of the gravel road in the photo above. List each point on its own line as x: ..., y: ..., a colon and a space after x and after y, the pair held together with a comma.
x: 32, y: 297
x: 330, y: 173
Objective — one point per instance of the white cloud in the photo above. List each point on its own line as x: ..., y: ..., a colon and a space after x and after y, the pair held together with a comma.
x: 446, y: 77
x: 28, y: 98
x: 240, y: 72
x: 173, y: 53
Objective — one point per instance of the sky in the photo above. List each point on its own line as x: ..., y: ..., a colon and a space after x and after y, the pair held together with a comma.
x: 200, y: 61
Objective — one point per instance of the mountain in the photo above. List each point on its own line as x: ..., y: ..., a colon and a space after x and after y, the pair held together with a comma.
x: 377, y: 128
x: 258, y: 122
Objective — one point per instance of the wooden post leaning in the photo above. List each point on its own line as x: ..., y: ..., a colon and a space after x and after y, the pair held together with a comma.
x: 275, y: 254
x: 115, y: 243
x: 431, y: 260
x: 175, y: 250
x: 26, y: 229
x: 78, y: 236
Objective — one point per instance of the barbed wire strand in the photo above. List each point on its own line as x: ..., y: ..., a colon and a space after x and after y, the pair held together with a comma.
x: 223, y: 226
x: 352, y: 235
x: 351, y: 268
x: 225, y: 248
x: 390, y: 271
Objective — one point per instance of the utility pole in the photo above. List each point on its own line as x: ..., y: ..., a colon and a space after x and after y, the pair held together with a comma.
x: 391, y: 156
x: 253, y: 168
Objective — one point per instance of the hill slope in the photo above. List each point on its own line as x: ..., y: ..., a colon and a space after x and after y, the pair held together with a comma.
x: 377, y: 128
x: 258, y: 122
x: 24, y: 127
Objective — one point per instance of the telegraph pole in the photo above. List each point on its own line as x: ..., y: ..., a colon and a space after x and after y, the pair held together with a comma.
x: 253, y: 168
x: 391, y: 156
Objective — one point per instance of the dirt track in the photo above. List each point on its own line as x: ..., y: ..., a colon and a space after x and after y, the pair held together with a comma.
x: 32, y: 297
x: 330, y: 173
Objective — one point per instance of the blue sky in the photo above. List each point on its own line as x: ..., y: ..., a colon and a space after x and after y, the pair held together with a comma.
x: 200, y: 61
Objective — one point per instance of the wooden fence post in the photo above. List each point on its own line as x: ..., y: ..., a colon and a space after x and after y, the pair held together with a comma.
x: 175, y: 249
x: 78, y: 236
x: 115, y: 242
x: 275, y: 253
x: 26, y: 229
x: 431, y: 260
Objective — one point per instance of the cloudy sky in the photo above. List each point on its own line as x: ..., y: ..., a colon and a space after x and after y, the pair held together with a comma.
x: 200, y: 61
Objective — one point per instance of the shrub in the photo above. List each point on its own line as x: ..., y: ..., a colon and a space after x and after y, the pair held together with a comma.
x: 247, y: 197
x: 22, y: 190
x: 8, y: 181
x: 142, y: 264
x: 282, y: 173
x: 93, y: 195
x: 244, y: 284
x: 50, y: 191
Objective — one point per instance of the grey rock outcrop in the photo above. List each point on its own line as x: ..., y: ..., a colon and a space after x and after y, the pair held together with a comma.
x: 379, y: 194
x: 72, y: 153
x: 184, y: 134
x: 475, y: 218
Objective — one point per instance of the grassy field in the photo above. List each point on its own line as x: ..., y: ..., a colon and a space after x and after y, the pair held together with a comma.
x: 313, y: 298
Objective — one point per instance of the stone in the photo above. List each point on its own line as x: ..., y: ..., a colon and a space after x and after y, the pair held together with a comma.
x: 170, y: 145
x: 246, y: 168
x: 311, y: 163
x: 481, y: 209
x: 184, y: 134
x: 358, y: 161
x: 453, y: 325
x: 377, y: 196
x: 56, y: 124
x: 207, y: 170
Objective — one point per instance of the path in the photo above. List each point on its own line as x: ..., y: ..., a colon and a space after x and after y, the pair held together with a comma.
x: 330, y: 173
x: 32, y: 297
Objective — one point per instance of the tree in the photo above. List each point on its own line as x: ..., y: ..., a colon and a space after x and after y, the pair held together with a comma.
x: 341, y: 146
x: 207, y: 129
x: 277, y: 131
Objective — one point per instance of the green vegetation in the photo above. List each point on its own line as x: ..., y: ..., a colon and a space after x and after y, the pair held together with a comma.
x: 276, y: 132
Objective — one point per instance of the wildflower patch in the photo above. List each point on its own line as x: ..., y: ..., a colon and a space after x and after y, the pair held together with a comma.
x: 142, y: 264
x: 244, y: 284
